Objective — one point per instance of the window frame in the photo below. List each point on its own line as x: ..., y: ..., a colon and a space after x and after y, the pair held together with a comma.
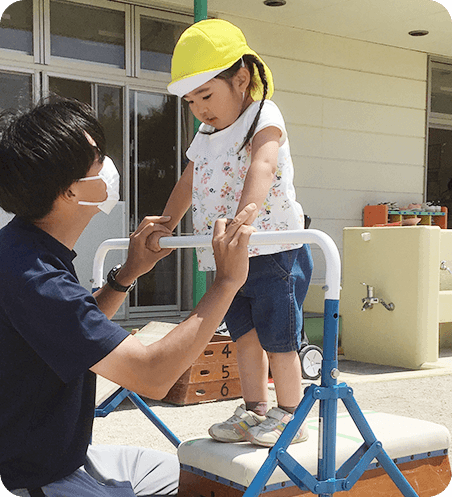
x: 67, y: 63
x: 140, y: 12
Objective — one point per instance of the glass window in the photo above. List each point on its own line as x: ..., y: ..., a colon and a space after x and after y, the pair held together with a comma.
x: 109, y: 111
x: 87, y: 33
x: 158, y: 39
x: 16, y: 27
x: 16, y: 91
x: 439, y: 171
x: 110, y: 115
x: 153, y: 176
x: 441, y: 97
x: 81, y: 90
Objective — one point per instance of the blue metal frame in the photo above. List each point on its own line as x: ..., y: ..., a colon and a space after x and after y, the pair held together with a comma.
x: 113, y: 401
x: 117, y: 397
x: 328, y: 480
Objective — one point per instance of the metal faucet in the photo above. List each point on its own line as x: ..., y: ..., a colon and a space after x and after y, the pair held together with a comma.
x: 370, y: 300
x: 444, y: 267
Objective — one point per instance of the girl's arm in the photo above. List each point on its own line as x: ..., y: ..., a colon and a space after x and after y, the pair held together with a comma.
x: 264, y: 159
x: 177, y: 205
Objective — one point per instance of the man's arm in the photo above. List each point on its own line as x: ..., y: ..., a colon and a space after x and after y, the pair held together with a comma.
x: 152, y: 370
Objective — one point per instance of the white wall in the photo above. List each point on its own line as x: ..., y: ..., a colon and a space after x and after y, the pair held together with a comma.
x: 355, y: 113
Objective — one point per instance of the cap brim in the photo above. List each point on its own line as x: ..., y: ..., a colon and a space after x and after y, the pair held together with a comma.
x: 187, y: 85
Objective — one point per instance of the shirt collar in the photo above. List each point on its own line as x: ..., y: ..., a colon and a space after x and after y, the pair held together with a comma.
x: 51, y: 243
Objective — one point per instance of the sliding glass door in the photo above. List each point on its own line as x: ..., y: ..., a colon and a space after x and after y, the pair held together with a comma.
x: 153, y: 174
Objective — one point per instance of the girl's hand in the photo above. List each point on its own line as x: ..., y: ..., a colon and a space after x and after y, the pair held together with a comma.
x: 141, y: 259
x: 152, y: 242
x: 230, y: 246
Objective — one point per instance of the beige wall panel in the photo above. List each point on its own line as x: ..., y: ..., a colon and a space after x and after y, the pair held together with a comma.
x: 310, y: 46
x: 354, y: 146
x: 358, y: 175
x: 290, y: 43
x: 332, y: 204
x: 374, y: 88
x: 318, y: 273
x: 299, y: 109
x: 369, y: 147
x: 373, y: 58
x: 372, y: 118
x: 298, y: 77
x: 342, y: 204
x: 305, y: 140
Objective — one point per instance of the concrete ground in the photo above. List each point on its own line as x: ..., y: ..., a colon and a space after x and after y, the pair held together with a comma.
x: 423, y: 395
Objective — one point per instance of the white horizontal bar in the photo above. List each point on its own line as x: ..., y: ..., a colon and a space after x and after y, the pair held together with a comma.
x: 325, y: 242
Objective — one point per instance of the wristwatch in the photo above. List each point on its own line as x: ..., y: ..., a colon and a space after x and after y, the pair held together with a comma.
x: 111, y: 280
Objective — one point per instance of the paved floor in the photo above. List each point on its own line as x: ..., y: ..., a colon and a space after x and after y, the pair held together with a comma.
x: 423, y: 394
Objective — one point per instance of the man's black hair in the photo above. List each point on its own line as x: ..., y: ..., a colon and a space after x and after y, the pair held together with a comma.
x: 43, y: 151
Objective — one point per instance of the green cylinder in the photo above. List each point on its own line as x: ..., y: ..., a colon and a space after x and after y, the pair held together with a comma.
x: 199, y: 277
x: 200, y: 10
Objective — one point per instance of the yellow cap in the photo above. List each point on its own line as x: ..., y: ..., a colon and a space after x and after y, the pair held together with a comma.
x: 206, y: 49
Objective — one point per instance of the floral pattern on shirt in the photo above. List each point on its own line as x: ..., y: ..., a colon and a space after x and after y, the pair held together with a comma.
x: 219, y: 175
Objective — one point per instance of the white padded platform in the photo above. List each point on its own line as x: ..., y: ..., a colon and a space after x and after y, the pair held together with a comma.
x: 401, y: 437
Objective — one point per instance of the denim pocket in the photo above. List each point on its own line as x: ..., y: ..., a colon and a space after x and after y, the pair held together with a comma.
x: 282, y: 262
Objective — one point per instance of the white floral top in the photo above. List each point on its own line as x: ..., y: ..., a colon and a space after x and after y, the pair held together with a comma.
x: 219, y: 174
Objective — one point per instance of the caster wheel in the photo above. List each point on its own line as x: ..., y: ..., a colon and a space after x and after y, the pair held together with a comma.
x: 311, y: 358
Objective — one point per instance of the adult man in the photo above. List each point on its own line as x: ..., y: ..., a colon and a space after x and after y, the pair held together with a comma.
x: 54, y: 334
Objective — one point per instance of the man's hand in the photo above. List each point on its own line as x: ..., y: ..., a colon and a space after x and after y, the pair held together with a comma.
x: 141, y: 259
x: 230, y: 245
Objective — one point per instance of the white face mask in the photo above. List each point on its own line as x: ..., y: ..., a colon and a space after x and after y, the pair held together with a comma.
x: 110, y: 176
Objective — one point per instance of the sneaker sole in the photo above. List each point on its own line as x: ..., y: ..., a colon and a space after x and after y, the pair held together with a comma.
x: 226, y: 440
x: 270, y: 444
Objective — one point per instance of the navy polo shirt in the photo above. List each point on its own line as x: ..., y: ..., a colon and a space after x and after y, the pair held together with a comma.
x: 51, y: 333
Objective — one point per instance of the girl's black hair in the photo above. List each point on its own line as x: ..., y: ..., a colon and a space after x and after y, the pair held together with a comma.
x: 250, y: 61
x: 43, y: 151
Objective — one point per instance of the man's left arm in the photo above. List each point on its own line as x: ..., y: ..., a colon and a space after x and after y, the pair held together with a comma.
x: 140, y: 260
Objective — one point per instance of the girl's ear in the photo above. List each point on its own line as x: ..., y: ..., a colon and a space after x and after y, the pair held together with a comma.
x: 243, y: 79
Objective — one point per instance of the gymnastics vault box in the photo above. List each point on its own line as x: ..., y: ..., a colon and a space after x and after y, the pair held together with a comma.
x: 419, y: 448
x: 213, y: 376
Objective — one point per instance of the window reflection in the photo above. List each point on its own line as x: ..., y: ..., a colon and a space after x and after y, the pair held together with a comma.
x: 442, y: 89
x: 16, y: 27
x: 158, y: 39
x: 16, y: 91
x: 87, y: 33
x: 153, y: 176
x: 110, y: 105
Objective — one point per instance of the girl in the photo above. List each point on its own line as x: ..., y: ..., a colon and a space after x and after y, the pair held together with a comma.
x: 241, y: 155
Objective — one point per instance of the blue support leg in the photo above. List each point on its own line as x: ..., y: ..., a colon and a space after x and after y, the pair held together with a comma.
x: 386, y: 462
x: 328, y: 404
x: 283, y: 442
x: 147, y: 411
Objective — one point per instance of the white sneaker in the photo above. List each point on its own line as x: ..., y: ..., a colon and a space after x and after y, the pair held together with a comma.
x: 236, y: 427
x: 268, y: 432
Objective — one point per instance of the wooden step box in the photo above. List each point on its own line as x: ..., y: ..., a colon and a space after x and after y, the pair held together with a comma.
x: 213, y: 376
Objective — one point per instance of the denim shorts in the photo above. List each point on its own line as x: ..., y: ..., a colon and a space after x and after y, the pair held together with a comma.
x: 272, y: 298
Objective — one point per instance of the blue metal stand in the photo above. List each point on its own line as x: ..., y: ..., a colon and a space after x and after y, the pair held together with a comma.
x: 328, y: 480
x: 117, y: 397
x: 113, y: 401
